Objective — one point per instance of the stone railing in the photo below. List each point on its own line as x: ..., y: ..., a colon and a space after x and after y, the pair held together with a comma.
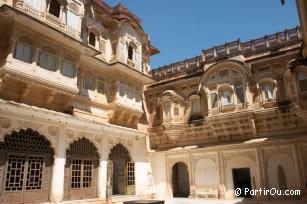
x: 268, y: 43
x: 49, y: 19
x: 187, y: 66
x: 241, y: 126
x: 252, y: 47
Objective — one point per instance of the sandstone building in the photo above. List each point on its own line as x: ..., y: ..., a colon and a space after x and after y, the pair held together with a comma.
x: 83, y: 117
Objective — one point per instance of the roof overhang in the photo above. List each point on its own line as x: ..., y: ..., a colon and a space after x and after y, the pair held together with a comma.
x: 132, y: 72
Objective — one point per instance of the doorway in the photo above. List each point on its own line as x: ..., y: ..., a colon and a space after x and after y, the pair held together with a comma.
x: 122, y: 171
x: 180, y: 180
x: 242, y: 179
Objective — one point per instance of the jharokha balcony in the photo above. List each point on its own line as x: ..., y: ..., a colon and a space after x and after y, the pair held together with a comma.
x: 56, y: 20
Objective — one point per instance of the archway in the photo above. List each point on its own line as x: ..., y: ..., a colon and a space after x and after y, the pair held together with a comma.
x: 180, y: 180
x: 80, y: 176
x: 26, y: 159
x: 120, y: 171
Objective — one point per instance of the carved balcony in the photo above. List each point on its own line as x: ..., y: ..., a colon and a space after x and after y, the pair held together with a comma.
x: 48, y: 19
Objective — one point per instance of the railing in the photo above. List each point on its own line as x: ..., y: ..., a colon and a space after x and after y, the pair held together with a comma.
x: 267, y: 43
x: 187, y: 66
x: 49, y: 19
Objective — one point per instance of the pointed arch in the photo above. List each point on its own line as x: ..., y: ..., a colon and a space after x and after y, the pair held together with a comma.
x: 26, y: 159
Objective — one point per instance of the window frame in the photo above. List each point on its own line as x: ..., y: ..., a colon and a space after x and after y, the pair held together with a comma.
x: 264, y: 92
x: 73, y: 68
x: 298, y: 80
x: 19, y: 42
x: 100, y: 81
x: 88, y: 76
x: 90, y: 35
x: 49, y: 7
x: 223, y: 89
x: 50, y: 54
x: 25, y: 172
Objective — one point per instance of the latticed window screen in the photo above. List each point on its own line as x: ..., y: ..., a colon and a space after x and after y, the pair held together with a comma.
x: 130, y: 174
x: 76, y: 173
x: 87, y: 173
x: 84, y: 158
x: 15, y: 173
x: 24, y: 169
x: 34, y: 174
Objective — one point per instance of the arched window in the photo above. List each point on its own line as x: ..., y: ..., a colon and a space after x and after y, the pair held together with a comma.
x: 268, y: 91
x: 88, y: 82
x: 100, y: 85
x: 68, y: 69
x: 23, y: 51
x: 47, y: 59
x: 55, y: 8
x: 81, y: 173
x: 28, y: 158
x: 302, y: 81
x: 226, y: 96
x: 130, y: 52
x: 92, y: 39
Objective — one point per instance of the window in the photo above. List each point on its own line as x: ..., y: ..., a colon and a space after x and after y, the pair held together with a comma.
x: 214, y: 100
x: 67, y: 69
x: 122, y: 90
x: 15, y: 173
x: 72, y: 20
x: 47, y: 61
x: 34, y: 3
x: 226, y: 97
x: 92, y: 39
x: 302, y: 82
x: 195, y: 106
x: 23, y: 51
x: 34, y: 174
x: 88, y: 82
x: 268, y: 91
x: 167, y: 110
x: 240, y: 94
x: 81, y: 169
x: 26, y: 162
x: 224, y: 73
x: 176, y: 111
x: 76, y: 178
x: 130, y: 52
x: 100, y: 87
x: 55, y: 8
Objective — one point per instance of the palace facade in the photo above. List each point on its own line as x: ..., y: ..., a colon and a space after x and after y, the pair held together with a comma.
x: 83, y: 118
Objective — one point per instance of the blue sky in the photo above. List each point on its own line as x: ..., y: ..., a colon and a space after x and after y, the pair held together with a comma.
x: 181, y: 29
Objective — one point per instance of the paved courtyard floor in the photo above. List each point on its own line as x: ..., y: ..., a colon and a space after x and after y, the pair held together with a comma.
x: 237, y: 201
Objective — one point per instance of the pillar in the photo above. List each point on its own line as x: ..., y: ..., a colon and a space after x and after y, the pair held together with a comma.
x: 57, y: 183
x: 57, y: 180
x: 102, y: 178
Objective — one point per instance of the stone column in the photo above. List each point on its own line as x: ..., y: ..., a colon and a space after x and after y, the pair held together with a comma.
x: 57, y: 187
x: 102, y: 178
x: 57, y: 180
